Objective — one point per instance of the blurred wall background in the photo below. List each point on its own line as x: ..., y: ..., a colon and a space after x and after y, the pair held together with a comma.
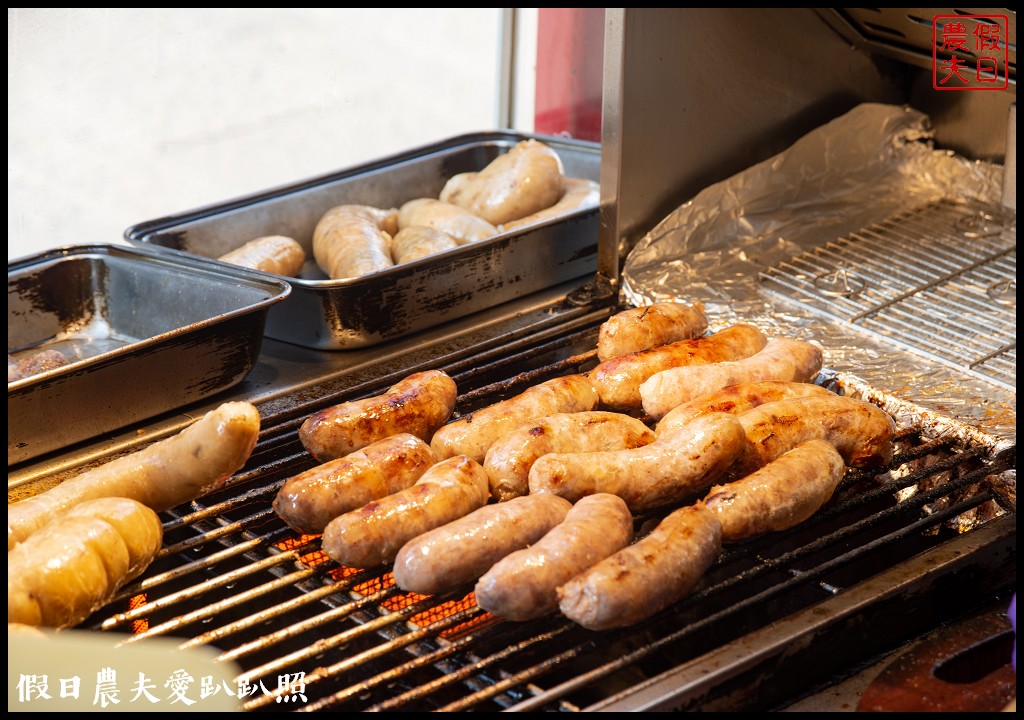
x: 115, y: 116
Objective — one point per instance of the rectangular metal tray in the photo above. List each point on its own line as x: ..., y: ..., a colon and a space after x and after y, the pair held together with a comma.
x: 358, y: 312
x: 144, y: 334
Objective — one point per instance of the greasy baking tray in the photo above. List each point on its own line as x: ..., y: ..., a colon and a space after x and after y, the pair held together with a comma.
x: 143, y: 334
x: 357, y: 312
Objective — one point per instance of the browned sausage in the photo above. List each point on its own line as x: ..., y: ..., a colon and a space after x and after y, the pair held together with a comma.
x: 662, y: 473
x: 464, y: 549
x: 860, y: 431
x: 353, y: 240
x: 167, y: 473
x: 373, y: 534
x: 73, y: 566
x: 509, y: 459
x: 418, y: 404
x: 640, y: 580
x: 473, y: 434
x: 643, y: 328
x: 737, y: 399
x: 780, y: 359
x: 618, y: 379
x: 783, y: 493
x: 311, y: 499
x: 272, y: 253
x: 524, y: 585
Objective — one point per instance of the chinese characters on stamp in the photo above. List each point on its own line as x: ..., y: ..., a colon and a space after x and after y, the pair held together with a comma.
x: 970, y: 52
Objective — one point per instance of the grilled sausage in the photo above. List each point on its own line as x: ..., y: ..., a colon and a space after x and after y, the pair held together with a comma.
x: 662, y: 473
x: 473, y: 434
x: 272, y: 253
x: 458, y: 222
x: 579, y: 193
x: 373, y: 534
x: 737, y: 399
x: 526, y: 179
x: 353, y: 240
x: 860, y: 431
x: 509, y: 459
x: 418, y: 404
x: 648, y: 576
x: 783, y: 493
x: 73, y: 566
x: 311, y: 499
x: 464, y: 549
x: 167, y: 473
x: 524, y: 585
x: 618, y: 379
x: 643, y: 328
x: 417, y: 241
x: 780, y: 359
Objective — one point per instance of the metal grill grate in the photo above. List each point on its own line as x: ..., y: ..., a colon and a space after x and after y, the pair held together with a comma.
x: 939, y: 280
x: 234, y: 577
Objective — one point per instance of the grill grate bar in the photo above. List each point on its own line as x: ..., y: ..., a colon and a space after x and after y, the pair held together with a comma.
x: 379, y: 651
x: 226, y: 579
x: 342, y: 638
x: 926, y: 280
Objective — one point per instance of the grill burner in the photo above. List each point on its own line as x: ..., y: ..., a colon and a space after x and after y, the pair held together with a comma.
x: 235, y: 577
x: 939, y: 280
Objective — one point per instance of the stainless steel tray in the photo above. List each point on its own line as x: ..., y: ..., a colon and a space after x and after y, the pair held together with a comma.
x: 358, y: 312
x: 144, y: 334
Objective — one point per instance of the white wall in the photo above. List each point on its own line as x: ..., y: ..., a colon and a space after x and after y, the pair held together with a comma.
x: 116, y: 116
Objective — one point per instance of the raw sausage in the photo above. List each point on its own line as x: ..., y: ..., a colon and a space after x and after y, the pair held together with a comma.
x: 418, y: 241
x: 860, y: 431
x: 373, y: 534
x: 353, y: 240
x: 167, y: 473
x: 783, y: 493
x: 618, y: 379
x: 662, y: 473
x: 737, y: 399
x: 465, y: 549
x: 643, y: 328
x: 311, y: 499
x: 579, y: 193
x: 640, y: 580
x: 524, y: 585
x: 509, y: 459
x: 458, y: 222
x: 526, y: 179
x: 272, y: 253
x: 473, y: 434
x: 780, y: 359
x: 72, y: 567
x: 418, y: 404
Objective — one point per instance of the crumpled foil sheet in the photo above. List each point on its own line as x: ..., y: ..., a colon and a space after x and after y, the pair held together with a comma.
x: 850, y: 173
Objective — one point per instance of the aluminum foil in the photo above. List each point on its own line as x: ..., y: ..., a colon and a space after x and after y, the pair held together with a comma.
x: 850, y: 173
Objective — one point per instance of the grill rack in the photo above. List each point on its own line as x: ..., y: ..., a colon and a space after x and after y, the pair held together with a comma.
x: 233, y: 576
x: 938, y: 280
